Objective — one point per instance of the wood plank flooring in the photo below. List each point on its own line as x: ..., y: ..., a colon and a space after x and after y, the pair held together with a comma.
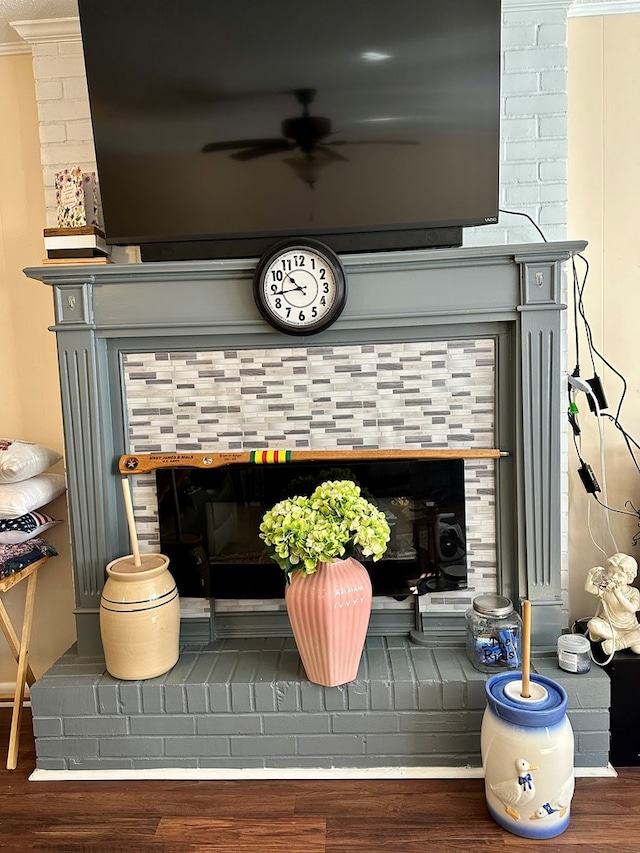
x: 394, y: 816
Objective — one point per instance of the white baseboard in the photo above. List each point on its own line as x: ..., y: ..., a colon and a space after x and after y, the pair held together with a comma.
x: 258, y: 774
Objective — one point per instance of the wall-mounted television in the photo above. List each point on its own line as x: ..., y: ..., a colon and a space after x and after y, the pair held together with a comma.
x: 223, y: 126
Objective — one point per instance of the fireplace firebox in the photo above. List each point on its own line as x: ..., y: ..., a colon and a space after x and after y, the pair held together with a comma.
x: 209, y: 522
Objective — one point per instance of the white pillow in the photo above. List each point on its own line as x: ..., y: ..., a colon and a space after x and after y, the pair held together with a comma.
x: 19, y: 498
x: 20, y: 460
x: 13, y: 531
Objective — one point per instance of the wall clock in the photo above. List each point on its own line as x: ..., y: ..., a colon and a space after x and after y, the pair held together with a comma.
x: 300, y: 287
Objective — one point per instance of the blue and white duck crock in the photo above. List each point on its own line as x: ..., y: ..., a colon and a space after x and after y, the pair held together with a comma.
x: 527, y: 755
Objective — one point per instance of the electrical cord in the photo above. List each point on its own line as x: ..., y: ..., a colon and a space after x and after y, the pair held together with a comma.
x: 526, y: 215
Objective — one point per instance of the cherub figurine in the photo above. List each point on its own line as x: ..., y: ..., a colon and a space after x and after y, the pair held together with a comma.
x: 615, y: 623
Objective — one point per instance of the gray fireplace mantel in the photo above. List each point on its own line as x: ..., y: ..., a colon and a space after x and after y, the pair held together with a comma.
x: 103, y: 311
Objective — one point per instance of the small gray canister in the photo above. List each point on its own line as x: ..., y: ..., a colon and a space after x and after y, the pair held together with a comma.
x: 574, y: 653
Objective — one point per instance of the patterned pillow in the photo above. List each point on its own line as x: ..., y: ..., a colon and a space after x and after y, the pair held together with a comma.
x: 16, y: 530
x: 20, y: 460
x: 14, y: 558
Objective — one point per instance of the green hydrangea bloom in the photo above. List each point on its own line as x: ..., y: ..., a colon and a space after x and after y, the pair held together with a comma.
x: 327, y: 525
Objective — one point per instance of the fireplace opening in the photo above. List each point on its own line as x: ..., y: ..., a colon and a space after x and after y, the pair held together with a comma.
x: 209, y: 523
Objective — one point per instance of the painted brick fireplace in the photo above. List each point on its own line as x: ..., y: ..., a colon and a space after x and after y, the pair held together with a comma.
x: 444, y: 348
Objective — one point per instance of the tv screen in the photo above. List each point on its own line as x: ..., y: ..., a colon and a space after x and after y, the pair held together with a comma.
x: 223, y: 126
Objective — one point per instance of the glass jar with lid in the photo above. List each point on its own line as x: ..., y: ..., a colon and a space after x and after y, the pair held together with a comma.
x: 494, y: 631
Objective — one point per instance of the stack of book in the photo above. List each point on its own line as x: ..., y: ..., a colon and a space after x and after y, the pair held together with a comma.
x: 84, y: 244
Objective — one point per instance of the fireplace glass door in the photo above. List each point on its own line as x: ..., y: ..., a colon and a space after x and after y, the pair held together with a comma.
x: 209, y: 524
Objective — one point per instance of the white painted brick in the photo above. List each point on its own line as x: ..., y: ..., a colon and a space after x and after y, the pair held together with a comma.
x: 75, y: 87
x: 555, y: 232
x: 551, y: 126
x: 552, y: 34
x: 48, y: 67
x: 56, y: 132
x: 64, y: 110
x: 79, y: 131
x: 50, y: 197
x: 553, y: 214
x: 520, y: 83
x: 519, y: 194
x: 540, y: 149
x: 553, y: 170
x: 525, y: 14
x: 536, y: 59
x: 71, y: 48
x: 519, y: 128
x: 45, y: 67
x: 512, y: 172
x: 553, y: 81
x: 45, y: 49
x: 48, y: 90
x: 525, y: 105
x: 70, y: 154
x: 520, y: 35
x: 553, y: 192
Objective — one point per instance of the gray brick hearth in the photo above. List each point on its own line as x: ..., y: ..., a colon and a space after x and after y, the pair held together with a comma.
x: 247, y: 705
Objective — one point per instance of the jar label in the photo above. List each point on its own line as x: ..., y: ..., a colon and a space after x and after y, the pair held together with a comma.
x: 500, y: 647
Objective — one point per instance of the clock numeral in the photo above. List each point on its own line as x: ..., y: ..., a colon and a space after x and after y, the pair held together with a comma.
x: 277, y: 275
x: 298, y: 260
x: 314, y: 311
x: 301, y: 317
x: 323, y: 273
x: 323, y: 301
x: 278, y: 302
x: 325, y: 288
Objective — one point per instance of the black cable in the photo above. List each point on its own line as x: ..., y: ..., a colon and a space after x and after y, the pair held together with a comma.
x: 613, y: 509
x: 532, y: 221
x: 592, y: 346
x: 587, y: 327
x: 576, y: 370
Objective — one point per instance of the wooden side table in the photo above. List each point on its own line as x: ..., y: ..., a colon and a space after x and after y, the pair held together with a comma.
x: 20, y: 649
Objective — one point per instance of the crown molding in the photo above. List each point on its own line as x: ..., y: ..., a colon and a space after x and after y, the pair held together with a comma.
x: 48, y: 30
x: 536, y: 5
x: 14, y: 48
x: 607, y: 7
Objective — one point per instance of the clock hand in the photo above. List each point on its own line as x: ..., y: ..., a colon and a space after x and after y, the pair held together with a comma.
x: 291, y: 290
x: 292, y: 279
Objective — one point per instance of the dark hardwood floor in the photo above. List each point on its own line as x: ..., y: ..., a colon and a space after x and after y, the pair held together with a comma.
x: 395, y: 816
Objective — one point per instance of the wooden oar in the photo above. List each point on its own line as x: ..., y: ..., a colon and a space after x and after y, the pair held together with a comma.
x: 143, y: 463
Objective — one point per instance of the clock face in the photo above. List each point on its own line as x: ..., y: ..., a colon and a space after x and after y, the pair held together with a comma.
x: 300, y: 288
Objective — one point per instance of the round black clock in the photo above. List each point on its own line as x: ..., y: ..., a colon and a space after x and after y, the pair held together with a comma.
x: 300, y: 287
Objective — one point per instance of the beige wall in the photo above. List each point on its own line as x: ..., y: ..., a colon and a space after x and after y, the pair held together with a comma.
x: 30, y: 401
x: 604, y: 193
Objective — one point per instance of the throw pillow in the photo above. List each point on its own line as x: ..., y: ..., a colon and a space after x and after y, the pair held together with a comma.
x: 20, y: 460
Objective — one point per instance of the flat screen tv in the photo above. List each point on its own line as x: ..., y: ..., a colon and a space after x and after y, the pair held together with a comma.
x: 223, y: 126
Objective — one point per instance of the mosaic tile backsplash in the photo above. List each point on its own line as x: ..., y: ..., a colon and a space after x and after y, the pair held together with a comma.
x: 400, y: 395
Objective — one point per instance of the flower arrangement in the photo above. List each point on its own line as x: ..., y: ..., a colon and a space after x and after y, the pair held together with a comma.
x: 323, y: 527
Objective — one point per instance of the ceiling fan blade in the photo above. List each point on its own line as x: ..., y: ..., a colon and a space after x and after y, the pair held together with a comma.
x: 263, y: 150
x: 373, y: 142
x: 230, y: 144
x: 329, y: 153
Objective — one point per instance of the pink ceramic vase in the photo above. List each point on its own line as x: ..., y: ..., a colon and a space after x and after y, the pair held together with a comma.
x: 329, y: 614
